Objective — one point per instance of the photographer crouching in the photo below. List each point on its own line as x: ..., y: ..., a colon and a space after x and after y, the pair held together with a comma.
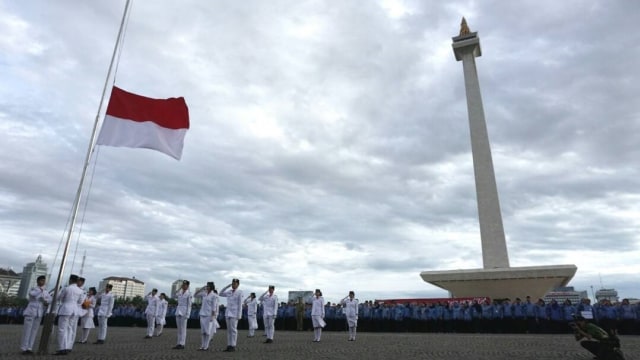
x: 601, y: 344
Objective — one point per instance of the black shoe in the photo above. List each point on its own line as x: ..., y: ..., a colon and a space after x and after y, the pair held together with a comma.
x: 99, y: 342
x: 179, y: 347
x: 230, y: 349
x: 147, y: 337
x: 268, y: 341
x: 60, y: 352
x: 27, y: 352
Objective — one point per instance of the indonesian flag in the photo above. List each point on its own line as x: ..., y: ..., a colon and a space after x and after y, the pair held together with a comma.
x: 137, y: 121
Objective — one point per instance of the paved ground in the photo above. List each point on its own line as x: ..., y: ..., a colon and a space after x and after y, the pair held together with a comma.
x: 128, y: 343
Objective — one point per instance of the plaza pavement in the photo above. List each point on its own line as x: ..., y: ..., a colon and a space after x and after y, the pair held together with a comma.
x: 128, y: 343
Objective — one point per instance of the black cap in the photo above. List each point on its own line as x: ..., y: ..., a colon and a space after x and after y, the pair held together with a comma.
x: 271, y: 287
x: 185, y: 282
x: 41, y: 277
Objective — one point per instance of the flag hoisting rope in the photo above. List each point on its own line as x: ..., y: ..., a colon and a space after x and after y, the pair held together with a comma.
x: 49, y: 318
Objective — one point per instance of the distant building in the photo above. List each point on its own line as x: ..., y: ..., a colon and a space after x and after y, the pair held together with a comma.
x: 307, y: 296
x: 123, y: 287
x: 607, y: 294
x: 563, y: 293
x: 9, y: 282
x: 30, y: 273
x: 196, y: 300
x: 175, y: 286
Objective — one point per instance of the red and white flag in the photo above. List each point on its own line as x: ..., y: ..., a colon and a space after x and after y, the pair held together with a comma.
x: 140, y: 122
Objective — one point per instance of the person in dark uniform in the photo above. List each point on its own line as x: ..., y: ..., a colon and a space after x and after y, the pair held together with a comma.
x: 300, y: 314
x: 597, y: 341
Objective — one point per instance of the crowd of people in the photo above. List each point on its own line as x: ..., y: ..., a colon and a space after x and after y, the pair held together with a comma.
x: 82, y: 309
x: 519, y: 316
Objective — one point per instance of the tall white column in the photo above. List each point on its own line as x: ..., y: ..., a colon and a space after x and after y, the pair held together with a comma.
x: 494, y: 247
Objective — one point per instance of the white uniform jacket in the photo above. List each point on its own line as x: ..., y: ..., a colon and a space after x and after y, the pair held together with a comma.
x: 252, y: 307
x: 350, y: 308
x: 152, y: 305
x: 317, y: 306
x: 38, y: 296
x: 106, y: 304
x: 71, y: 298
x: 88, y: 312
x: 209, y: 302
x: 162, y: 313
x: 234, y: 302
x: 269, y: 304
x: 185, y: 299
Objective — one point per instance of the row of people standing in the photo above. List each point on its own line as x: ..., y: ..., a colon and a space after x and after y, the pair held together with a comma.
x: 209, y: 308
x: 74, y: 305
x: 233, y: 312
x: 208, y: 313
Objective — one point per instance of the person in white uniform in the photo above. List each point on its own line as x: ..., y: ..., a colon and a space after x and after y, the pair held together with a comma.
x: 350, y: 306
x: 104, y: 312
x: 79, y: 312
x: 207, y: 310
x: 39, y: 299
x: 215, y: 325
x: 252, y: 311
x: 317, y: 315
x: 233, y: 312
x: 71, y: 298
x: 151, y: 312
x: 269, y: 312
x: 86, y: 320
x: 161, y: 318
x: 183, y: 311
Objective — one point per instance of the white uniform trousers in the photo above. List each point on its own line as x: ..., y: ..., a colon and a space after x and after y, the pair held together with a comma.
x: 181, y: 323
x: 102, y: 327
x: 269, y: 325
x: 353, y: 324
x: 29, y: 332
x: 205, y: 331
x: 63, y: 331
x: 73, y: 327
x: 232, y: 331
x: 151, y: 324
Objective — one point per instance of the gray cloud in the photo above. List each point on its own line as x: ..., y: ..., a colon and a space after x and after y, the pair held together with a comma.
x: 324, y: 141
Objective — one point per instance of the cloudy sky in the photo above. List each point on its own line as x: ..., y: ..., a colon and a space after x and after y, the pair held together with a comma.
x: 329, y: 142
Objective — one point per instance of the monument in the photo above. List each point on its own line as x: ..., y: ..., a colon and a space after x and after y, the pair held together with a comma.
x: 496, y: 279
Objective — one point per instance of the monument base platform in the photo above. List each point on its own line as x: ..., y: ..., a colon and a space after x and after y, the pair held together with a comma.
x: 500, y: 283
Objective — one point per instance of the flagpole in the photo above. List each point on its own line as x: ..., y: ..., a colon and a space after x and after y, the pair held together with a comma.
x: 49, y: 318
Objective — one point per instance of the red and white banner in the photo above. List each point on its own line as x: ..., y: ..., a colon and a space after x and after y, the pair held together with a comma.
x: 137, y: 121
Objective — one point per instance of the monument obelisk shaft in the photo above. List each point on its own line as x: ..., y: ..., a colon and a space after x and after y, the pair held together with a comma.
x: 494, y: 247
x: 497, y: 280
